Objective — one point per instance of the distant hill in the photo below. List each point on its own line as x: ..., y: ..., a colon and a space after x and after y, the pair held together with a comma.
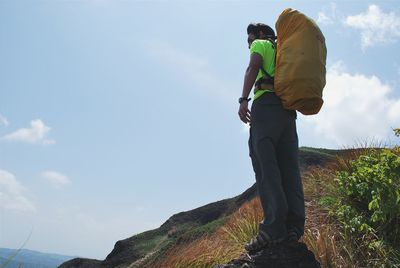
x: 31, y: 259
x: 141, y: 249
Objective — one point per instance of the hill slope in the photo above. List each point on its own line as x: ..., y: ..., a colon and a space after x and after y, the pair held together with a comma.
x: 184, y: 227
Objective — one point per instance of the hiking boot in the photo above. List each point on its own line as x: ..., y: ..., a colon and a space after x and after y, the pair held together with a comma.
x: 292, y: 236
x: 261, y: 241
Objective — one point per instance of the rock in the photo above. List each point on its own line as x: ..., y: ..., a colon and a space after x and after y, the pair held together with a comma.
x: 285, y: 255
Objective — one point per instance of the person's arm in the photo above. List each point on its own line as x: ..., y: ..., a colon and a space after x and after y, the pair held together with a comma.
x: 249, y: 79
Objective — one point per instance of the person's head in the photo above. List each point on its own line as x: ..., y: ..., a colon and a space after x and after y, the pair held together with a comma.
x: 259, y: 31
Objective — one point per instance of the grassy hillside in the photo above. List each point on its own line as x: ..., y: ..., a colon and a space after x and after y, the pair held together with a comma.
x: 352, y: 216
x: 185, y: 228
x: 338, y: 229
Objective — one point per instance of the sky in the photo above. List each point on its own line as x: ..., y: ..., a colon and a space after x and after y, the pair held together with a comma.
x: 115, y: 115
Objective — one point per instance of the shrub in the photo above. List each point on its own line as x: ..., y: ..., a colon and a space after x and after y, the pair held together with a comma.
x: 371, y: 190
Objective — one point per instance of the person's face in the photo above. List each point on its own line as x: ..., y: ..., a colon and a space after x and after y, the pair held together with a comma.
x: 250, y: 38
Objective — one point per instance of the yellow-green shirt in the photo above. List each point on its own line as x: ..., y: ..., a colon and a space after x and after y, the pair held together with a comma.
x: 267, y: 52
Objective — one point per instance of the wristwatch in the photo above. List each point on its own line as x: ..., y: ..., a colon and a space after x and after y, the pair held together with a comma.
x: 242, y: 99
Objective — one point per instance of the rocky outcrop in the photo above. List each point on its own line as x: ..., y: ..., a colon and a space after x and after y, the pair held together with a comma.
x: 286, y: 255
x: 81, y: 263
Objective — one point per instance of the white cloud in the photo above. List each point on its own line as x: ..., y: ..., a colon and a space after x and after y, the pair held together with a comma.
x: 357, y: 108
x: 35, y: 134
x: 323, y: 18
x: 3, y: 121
x: 327, y: 16
x: 12, y: 194
x: 57, y: 179
x: 376, y: 26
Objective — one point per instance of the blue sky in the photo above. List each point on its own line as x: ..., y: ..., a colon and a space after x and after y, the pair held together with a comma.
x: 114, y: 115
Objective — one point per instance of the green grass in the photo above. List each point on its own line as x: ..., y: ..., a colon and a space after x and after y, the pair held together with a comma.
x: 322, y: 152
x: 147, y: 245
x: 198, y: 231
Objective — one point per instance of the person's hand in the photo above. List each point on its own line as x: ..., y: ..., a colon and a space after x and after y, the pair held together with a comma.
x: 244, y: 112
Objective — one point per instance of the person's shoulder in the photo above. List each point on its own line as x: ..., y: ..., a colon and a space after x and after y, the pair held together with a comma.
x: 257, y: 45
x: 262, y: 43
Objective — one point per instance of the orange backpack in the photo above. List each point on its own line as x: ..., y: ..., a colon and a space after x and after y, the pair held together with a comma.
x: 300, y: 62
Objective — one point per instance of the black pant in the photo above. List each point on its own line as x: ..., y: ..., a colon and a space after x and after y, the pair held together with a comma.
x: 273, y: 145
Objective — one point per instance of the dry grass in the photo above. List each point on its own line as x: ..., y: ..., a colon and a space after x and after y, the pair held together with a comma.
x: 343, y: 162
x: 228, y: 241
x: 220, y: 247
x: 318, y: 181
x: 321, y: 234
x: 324, y: 235
x: 323, y: 242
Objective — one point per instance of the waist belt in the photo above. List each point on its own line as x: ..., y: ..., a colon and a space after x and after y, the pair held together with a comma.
x: 264, y: 84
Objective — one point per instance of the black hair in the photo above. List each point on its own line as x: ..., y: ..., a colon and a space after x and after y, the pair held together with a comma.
x: 255, y: 28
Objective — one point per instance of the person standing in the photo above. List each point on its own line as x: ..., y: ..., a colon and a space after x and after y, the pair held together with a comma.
x: 273, y: 146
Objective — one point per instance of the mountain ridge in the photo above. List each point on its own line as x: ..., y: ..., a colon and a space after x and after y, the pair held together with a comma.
x: 189, y: 225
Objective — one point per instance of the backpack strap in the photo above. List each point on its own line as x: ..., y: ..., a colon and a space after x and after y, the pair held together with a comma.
x: 267, y: 78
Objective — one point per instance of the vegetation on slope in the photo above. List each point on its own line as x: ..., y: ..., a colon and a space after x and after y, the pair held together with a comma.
x: 353, y: 216
x: 366, y: 207
x: 220, y: 246
x: 223, y: 237
x: 216, y: 233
